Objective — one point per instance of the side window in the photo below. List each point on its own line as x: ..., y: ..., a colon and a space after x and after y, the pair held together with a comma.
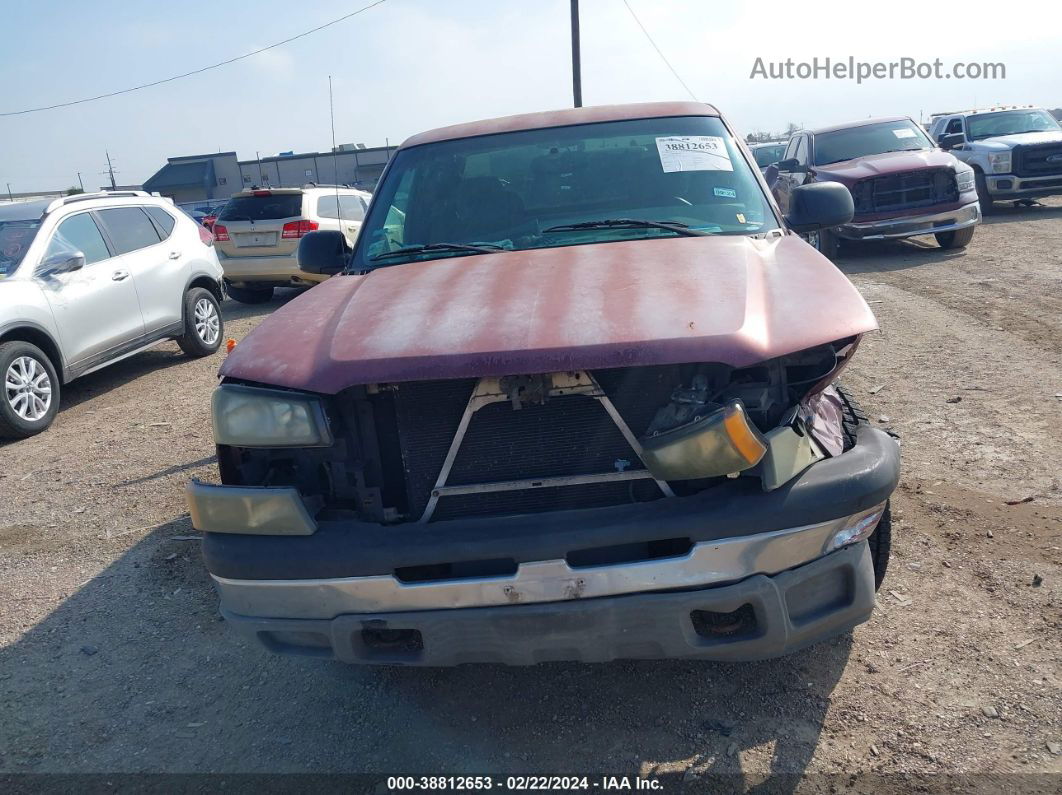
x: 954, y: 126
x: 129, y: 228
x: 790, y: 150
x: 802, y: 149
x: 79, y: 233
x: 353, y: 209
x: 163, y: 221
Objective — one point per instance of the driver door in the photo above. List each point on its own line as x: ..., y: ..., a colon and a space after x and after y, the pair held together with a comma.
x: 95, y: 308
x: 789, y: 179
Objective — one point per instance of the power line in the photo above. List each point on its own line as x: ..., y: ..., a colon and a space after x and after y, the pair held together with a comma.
x: 195, y: 71
x: 661, y: 54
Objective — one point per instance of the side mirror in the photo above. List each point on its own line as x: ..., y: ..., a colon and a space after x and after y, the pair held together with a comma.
x: 61, y: 262
x: 819, y: 205
x: 950, y: 141
x: 792, y: 165
x: 324, y: 252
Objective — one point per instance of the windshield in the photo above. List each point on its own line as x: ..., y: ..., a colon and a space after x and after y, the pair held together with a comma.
x: 562, y: 186
x: 15, y: 239
x: 266, y: 207
x: 765, y: 155
x: 871, y: 139
x: 1011, y: 122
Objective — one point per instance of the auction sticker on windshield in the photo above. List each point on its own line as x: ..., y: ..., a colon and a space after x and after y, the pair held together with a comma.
x: 693, y: 153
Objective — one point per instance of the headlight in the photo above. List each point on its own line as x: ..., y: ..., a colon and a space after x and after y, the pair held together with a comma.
x: 251, y: 417
x: 720, y: 443
x: 965, y: 180
x: 1000, y: 162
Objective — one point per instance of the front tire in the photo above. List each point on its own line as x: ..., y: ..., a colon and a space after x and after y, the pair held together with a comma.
x: 825, y: 242
x: 251, y: 295
x: 880, y: 541
x: 203, y: 326
x: 956, y: 238
x: 29, y: 390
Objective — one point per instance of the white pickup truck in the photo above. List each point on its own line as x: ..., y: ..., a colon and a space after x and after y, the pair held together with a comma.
x: 1016, y: 152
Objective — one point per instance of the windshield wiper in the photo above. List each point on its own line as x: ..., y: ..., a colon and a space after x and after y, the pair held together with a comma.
x: 473, y: 248
x: 628, y: 223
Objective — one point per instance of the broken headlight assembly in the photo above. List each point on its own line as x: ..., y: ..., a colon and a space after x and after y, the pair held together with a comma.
x: 769, y: 420
x: 251, y: 417
x: 722, y: 441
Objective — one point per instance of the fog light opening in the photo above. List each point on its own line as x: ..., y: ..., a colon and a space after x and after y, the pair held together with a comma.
x: 725, y: 626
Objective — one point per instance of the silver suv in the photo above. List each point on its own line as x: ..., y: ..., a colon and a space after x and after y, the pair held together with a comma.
x: 91, y: 279
x: 259, y: 230
x: 1016, y: 153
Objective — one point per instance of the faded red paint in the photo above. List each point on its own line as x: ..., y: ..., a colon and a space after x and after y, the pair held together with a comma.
x: 729, y: 299
x: 562, y: 118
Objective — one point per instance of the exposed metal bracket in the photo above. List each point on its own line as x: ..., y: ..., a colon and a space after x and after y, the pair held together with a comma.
x: 489, y: 390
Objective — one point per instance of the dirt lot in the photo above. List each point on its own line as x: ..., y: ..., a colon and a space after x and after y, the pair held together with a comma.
x: 114, y: 659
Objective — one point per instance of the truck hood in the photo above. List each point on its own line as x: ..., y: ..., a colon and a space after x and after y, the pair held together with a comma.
x: 1003, y: 142
x: 851, y: 171
x: 729, y: 299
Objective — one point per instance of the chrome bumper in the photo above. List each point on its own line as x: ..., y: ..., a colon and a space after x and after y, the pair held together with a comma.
x: 706, y: 564
x: 1020, y: 187
x: 949, y: 221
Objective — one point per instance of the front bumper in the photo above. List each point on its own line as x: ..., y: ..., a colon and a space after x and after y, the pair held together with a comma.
x: 757, y: 618
x: 1008, y: 186
x: 315, y: 593
x: 909, y: 226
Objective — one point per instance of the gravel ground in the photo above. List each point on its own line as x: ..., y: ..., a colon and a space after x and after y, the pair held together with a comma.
x: 114, y: 660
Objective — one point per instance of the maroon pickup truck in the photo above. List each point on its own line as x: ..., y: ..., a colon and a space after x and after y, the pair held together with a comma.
x: 901, y: 183
x: 571, y: 396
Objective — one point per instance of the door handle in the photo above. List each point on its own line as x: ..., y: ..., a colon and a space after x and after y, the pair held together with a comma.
x: 119, y: 276
x: 175, y: 255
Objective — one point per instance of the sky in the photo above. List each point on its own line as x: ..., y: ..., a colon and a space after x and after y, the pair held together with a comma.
x: 411, y: 65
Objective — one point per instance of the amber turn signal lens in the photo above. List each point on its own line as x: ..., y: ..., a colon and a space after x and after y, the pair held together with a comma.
x: 720, y: 443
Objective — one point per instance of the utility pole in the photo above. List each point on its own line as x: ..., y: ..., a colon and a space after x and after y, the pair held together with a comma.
x: 110, y: 170
x: 577, y: 75
x: 80, y: 182
x: 10, y: 198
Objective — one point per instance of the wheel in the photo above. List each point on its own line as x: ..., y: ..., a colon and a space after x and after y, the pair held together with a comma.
x: 203, y: 326
x: 30, y: 390
x: 880, y: 541
x: 825, y: 242
x: 250, y: 295
x: 956, y: 238
x: 983, y: 196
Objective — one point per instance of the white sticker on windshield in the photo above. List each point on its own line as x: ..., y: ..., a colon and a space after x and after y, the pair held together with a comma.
x: 904, y: 133
x: 693, y: 153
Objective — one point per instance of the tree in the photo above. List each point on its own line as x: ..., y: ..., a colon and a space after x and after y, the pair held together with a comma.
x: 791, y: 128
x: 73, y: 190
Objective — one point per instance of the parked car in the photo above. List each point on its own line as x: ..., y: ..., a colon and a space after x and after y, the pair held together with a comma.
x: 258, y: 230
x: 901, y: 183
x: 572, y: 397
x: 89, y: 280
x: 767, y: 153
x: 1016, y: 153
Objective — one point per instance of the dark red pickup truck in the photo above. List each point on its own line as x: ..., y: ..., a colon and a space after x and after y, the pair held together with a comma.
x: 901, y: 183
x: 572, y: 396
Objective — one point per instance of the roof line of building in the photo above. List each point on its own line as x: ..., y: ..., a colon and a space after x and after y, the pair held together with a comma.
x: 299, y: 155
x: 198, y: 157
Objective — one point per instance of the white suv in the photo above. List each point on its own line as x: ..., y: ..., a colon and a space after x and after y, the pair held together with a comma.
x: 91, y: 279
x: 258, y: 232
